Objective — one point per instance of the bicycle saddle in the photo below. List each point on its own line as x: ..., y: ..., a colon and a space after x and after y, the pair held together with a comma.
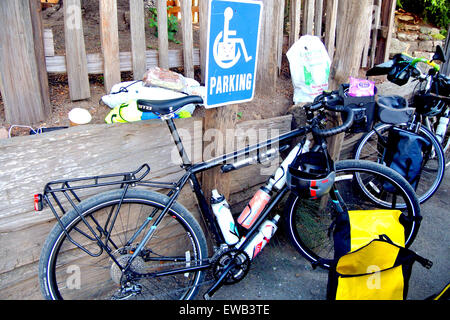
x: 393, y: 109
x: 163, y: 107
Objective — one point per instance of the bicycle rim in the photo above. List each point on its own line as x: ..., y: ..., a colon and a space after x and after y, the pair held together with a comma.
x: 369, y: 148
x: 73, y: 274
x: 310, y: 222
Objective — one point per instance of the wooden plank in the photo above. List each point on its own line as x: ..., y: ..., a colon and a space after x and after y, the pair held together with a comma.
x: 376, y: 26
x: 330, y: 26
x: 308, y: 17
x: 163, y: 40
x: 217, y: 121
x: 188, y: 42
x: 57, y: 64
x: 446, y: 48
x: 38, y: 40
x: 386, y: 23
x: 109, y: 36
x: 19, y: 68
x: 368, y: 27
x: 203, y: 16
x: 391, y: 21
x: 76, y: 62
x: 49, y: 46
x: 318, y: 15
x: 280, y: 31
x: 267, y: 74
x: 138, y: 46
x: 294, y: 19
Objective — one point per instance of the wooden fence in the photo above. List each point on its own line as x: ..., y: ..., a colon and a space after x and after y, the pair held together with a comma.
x: 317, y: 17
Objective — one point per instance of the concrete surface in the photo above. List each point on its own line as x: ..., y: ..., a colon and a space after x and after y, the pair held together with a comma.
x: 280, y: 273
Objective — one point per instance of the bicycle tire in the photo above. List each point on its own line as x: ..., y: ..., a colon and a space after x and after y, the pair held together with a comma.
x: 99, y: 277
x: 308, y: 230
x: 431, y: 174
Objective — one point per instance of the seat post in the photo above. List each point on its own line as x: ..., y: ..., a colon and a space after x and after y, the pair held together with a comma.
x: 178, y: 143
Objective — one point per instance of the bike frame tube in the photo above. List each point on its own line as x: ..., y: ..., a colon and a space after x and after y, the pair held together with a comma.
x: 190, y: 175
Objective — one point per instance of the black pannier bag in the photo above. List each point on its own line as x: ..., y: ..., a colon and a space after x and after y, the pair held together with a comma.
x: 405, y: 153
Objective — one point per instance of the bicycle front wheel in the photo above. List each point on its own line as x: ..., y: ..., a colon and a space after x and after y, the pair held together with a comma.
x: 309, y: 223
x: 370, y: 148
x: 73, y: 265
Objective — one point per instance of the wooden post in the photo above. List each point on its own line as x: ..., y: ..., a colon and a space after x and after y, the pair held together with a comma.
x: 385, y: 36
x: 203, y: 16
x: 294, y: 18
x: 21, y: 62
x: 218, y: 119
x: 109, y: 36
x: 347, y: 59
x: 308, y: 17
x: 163, y: 39
x: 188, y: 44
x: 446, y: 66
x: 377, y: 11
x: 367, y: 26
x: 138, y: 46
x: 330, y: 26
x: 280, y: 32
x: 318, y: 18
x: 76, y: 61
x: 267, y: 69
x: 39, y: 49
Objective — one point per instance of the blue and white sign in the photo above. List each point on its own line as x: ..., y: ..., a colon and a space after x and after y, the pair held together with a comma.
x: 233, y: 38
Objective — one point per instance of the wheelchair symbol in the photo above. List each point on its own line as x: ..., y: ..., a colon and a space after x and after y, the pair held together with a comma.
x: 227, y: 53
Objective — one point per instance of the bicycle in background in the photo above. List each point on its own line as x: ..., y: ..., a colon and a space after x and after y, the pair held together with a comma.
x: 412, y: 138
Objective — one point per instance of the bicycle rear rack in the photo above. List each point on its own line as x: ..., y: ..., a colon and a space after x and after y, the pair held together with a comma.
x: 68, y: 188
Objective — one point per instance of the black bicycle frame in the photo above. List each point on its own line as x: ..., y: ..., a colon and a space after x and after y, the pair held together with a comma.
x: 193, y: 169
x: 130, y: 178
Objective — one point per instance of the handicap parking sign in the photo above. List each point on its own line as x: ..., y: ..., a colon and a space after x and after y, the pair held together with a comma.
x: 233, y: 37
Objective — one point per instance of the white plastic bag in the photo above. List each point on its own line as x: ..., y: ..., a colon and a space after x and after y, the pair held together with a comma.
x: 310, y: 68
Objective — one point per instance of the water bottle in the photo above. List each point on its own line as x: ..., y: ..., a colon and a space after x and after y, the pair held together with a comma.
x: 221, y: 210
x: 266, y: 231
x: 441, y: 129
x: 279, y: 178
x: 254, y: 208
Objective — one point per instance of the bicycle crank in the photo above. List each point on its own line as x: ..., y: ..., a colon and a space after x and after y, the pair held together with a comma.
x: 229, y: 268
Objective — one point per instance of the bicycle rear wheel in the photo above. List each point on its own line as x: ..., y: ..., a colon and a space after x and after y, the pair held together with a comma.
x: 309, y: 222
x: 370, y: 148
x: 66, y: 271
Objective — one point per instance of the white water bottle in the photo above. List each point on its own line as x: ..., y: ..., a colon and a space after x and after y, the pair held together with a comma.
x: 279, y: 178
x: 441, y: 129
x: 266, y: 231
x: 221, y: 210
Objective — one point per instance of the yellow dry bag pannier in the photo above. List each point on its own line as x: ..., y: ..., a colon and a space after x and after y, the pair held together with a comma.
x: 379, y: 270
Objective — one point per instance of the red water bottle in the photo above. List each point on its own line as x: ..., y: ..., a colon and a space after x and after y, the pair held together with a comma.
x: 254, y: 208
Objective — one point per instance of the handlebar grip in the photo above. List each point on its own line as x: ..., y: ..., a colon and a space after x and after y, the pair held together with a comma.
x: 334, y: 131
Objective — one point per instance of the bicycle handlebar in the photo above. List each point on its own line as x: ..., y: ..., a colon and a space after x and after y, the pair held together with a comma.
x: 328, y: 103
